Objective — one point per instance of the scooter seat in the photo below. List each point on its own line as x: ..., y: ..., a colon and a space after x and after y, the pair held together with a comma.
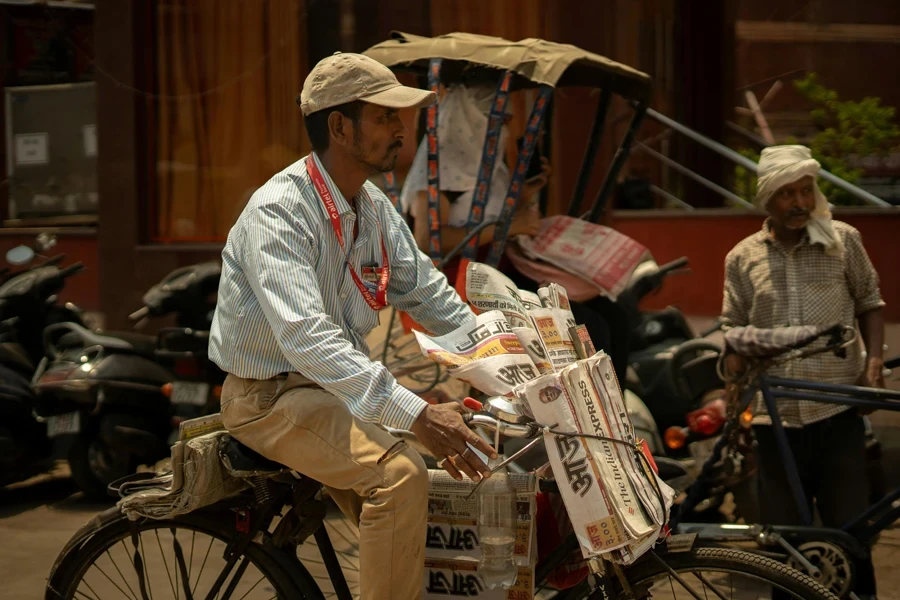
x: 121, y: 341
x: 143, y: 344
x: 242, y: 461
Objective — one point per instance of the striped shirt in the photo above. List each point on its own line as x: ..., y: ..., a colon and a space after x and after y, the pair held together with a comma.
x: 287, y: 301
x: 769, y: 287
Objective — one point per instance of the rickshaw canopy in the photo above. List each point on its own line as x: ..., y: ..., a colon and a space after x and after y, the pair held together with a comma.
x: 535, y: 62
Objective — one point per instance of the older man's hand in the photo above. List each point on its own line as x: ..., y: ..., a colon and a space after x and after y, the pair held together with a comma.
x: 873, y: 377
x: 874, y: 373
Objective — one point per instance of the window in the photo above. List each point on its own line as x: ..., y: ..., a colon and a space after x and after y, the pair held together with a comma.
x: 222, y: 119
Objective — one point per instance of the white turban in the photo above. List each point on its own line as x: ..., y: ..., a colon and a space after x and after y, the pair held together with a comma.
x: 781, y: 165
x: 462, y: 124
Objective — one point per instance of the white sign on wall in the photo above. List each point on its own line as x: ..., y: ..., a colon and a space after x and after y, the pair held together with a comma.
x: 32, y: 149
x: 89, y: 134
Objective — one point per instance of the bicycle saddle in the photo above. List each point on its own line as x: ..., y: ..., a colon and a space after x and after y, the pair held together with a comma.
x: 242, y: 461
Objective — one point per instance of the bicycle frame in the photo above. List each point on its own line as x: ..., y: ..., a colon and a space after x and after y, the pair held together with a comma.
x: 856, y: 535
x: 773, y: 388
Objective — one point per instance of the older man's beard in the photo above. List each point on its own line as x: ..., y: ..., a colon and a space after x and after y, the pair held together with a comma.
x: 802, y: 212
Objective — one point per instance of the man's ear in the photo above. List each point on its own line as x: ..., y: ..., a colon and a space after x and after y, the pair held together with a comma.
x: 338, y: 128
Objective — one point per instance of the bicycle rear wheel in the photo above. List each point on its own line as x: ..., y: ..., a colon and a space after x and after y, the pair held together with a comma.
x: 185, y: 557
x: 711, y: 573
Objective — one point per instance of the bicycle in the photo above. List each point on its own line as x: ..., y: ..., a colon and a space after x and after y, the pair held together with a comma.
x: 253, y: 530
x: 831, y: 556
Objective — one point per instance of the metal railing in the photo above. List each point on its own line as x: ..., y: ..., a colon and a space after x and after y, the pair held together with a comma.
x: 737, y: 158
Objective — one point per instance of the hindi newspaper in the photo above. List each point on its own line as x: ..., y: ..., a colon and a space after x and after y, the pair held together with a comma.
x: 498, y: 375
x: 552, y: 326
x: 554, y: 296
x: 453, y: 548
x: 615, y: 503
x: 597, y: 526
x: 489, y: 334
x: 599, y: 255
x: 485, y: 353
x: 459, y: 578
x: 487, y: 289
x: 452, y: 518
x: 534, y: 347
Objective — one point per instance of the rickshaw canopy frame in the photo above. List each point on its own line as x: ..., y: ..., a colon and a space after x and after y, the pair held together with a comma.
x: 535, y: 62
x: 468, y: 57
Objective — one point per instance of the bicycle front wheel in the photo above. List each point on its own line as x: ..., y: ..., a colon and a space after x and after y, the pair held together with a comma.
x: 712, y: 573
x: 185, y: 557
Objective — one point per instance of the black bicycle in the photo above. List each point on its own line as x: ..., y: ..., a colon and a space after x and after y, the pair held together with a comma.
x: 834, y: 557
x: 245, y: 547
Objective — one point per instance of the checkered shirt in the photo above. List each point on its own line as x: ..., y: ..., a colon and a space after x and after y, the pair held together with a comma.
x: 769, y: 287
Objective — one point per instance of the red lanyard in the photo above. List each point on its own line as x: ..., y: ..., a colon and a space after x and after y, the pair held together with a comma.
x: 379, y: 300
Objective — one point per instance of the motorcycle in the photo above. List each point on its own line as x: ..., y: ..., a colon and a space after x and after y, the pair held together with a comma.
x: 120, y: 396
x: 673, y: 370
x: 27, y: 305
x: 671, y: 367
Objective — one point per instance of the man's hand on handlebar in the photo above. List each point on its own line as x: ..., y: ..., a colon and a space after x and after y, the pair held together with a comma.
x: 441, y: 429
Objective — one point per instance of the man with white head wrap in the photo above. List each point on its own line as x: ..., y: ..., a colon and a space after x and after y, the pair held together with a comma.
x: 784, y: 170
x: 804, y: 268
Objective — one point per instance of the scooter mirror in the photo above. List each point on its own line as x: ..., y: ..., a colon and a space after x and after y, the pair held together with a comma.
x: 45, y: 241
x: 20, y: 255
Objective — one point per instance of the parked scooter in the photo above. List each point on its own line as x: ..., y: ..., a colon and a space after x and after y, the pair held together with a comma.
x: 121, y: 395
x: 673, y: 371
x: 27, y: 305
x: 672, y: 367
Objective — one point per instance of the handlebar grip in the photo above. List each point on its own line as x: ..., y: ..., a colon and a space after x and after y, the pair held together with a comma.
x: 71, y: 270
x: 139, y: 314
x: 674, y: 265
x: 473, y: 404
x: 719, y: 323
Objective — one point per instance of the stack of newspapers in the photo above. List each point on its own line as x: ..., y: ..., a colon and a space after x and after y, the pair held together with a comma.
x: 528, y: 347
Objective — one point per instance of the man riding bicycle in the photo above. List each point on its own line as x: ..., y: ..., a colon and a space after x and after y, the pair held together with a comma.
x: 313, y: 257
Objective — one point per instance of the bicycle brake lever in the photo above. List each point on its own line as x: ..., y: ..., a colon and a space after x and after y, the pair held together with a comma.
x: 522, y: 451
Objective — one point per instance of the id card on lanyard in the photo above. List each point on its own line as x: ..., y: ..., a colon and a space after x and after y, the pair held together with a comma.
x: 374, y: 282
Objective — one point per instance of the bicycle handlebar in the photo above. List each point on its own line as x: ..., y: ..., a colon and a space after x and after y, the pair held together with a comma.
x: 71, y: 270
x: 513, y: 430
x: 672, y: 266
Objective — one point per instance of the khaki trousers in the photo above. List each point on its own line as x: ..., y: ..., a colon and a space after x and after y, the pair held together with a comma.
x: 379, y: 482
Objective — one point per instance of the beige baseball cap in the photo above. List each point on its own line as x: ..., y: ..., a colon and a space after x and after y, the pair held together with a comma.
x: 345, y: 77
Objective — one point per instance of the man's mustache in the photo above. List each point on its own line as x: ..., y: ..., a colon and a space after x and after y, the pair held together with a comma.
x: 798, y: 213
x: 395, y: 145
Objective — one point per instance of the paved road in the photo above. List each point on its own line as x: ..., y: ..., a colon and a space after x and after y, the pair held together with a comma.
x: 38, y: 517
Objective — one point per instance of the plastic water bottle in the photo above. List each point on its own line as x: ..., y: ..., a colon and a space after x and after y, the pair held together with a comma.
x: 497, y: 529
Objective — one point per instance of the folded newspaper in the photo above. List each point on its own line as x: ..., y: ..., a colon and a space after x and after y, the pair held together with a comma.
x: 616, y: 503
x: 529, y: 347
x: 598, y: 255
x: 195, y: 477
x: 485, y: 353
x: 489, y: 289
